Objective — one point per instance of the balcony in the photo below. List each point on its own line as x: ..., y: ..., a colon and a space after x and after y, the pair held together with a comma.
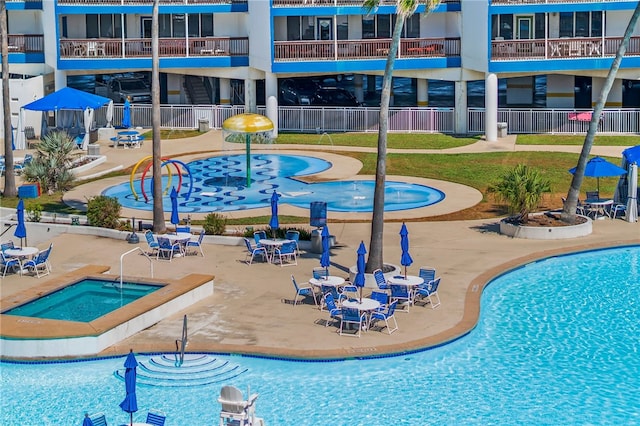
x: 147, y: 2
x: 337, y: 3
x: 521, y: 2
x: 561, y: 48
x: 26, y: 43
x: 332, y: 50
x: 141, y: 47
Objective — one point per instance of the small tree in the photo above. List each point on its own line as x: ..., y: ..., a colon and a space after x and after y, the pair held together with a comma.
x: 522, y: 188
x: 51, y: 165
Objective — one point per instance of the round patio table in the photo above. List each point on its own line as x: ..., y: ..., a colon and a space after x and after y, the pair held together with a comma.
x: 330, y: 280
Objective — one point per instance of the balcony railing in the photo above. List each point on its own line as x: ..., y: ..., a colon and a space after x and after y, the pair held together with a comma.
x: 148, y: 2
x: 336, y: 3
x: 561, y: 48
x: 141, y: 47
x: 519, y: 2
x: 333, y: 50
x: 26, y: 43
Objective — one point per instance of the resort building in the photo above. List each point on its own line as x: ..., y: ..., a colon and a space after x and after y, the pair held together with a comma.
x: 545, y: 54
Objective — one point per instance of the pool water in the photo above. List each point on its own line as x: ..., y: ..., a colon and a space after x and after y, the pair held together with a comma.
x: 220, y: 185
x: 557, y: 343
x: 83, y: 301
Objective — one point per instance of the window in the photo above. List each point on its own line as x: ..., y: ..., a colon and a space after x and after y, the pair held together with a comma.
x: 596, y: 24
x: 580, y: 24
x: 343, y: 28
x: 381, y: 26
x: 178, y: 25
x: 506, y: 26
x: 539, y: 25
x: 411, y: 27
x: 103, y: 26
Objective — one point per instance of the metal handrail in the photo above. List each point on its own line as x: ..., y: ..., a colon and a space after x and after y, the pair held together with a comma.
x: 131, y: 251
x: 182, y: 343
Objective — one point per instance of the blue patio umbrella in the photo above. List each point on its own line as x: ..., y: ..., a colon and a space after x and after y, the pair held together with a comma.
x: 126, y: 114
x: 273, y: 223
x: 175, y: 218
x: 130, y: 403
x: 21, y: 229
x: 324, y: 259
x: 406, y: 259
x: 87, y: 420
x: 358, y: 281
x: 598, y: 167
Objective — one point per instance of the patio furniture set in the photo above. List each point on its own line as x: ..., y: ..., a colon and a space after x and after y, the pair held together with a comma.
x: 178, y: 244
x: 23, y: 260
x: 273, y: 250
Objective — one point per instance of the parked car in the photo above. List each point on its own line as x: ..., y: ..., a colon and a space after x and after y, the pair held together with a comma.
x: 297, y: 91
x: 133, y: 88
x: 334, y: 96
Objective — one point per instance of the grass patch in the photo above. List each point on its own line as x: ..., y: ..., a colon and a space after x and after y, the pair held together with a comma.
x: 574, y: 140
x: 166, y: 134
x: 370, y: 140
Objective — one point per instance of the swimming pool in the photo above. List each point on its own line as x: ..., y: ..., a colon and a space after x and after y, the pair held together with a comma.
x: 219, y: 185
x: 83, y: 301
x: 556, y: 343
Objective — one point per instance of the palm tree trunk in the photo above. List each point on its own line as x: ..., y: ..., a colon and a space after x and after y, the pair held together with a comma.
x: 569, y: 208
x: 158, y: 211
x: 375, y: 259
x: 9, y: 175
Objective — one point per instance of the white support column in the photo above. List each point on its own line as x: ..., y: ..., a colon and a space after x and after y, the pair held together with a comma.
x: 225, y: 91
x: 270, y: 85
x: 460, y: 88
x: 491, y: 108
x: 423, y: 92
x: 272, y: 114
x: 60, y: 79
x: 357, y: 83
x: 250, y: 96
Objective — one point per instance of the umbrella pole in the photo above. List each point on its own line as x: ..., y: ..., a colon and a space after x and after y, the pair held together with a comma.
x: 248, y: 149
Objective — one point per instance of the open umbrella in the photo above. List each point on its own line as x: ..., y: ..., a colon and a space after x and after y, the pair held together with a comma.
x: 324, y: 260
x: 126, y: 114
x: 273, y: 223
x: 130, y: 403
x: 358, y: 281
x: 87, y: 420
x: 406, y: 259
x: 21, y: 230
x: 175, y: 218
x: 598, y: 167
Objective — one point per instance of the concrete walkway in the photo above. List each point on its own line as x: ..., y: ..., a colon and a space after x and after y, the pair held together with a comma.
x: 250, y: 311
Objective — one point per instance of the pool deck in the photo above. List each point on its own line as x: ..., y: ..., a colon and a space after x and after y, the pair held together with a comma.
x: 251, y: 311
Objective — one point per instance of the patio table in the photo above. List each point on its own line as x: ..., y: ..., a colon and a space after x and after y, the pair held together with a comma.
x: 367, y: 306
x: 598, y: 207
x: 22, y: 254
x: 271, y: 244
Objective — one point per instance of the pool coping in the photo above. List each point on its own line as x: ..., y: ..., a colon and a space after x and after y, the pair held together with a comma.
x: 21, y: 337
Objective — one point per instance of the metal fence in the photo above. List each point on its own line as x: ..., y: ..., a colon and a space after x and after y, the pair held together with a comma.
x: 305, y: 119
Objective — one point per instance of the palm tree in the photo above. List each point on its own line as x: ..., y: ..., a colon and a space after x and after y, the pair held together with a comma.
x: 404, y: 9
x: 9, y: 177
x: 569, y: 208
x: 158, y: 210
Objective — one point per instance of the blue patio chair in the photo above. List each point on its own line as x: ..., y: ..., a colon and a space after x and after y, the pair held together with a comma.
x: 293, y: 236
x: 8, y: 245
x: 354, y: 317
x: 156, y: 418
x: 381, y: 281
x: 39, y: 263
x: 319, y: 272
x: 429, y: 293
x: 151, y: 242
x: 427, y: 274
x: 617, y: 208
x: 98, y: 419
x: 349, y: 291
x: 8, y: 263
x: 286, y: 251
x: 382, y: 298
x: 335, y: 294
x: 386, y: 315
x: 332, y: 308
x: 167, y: 249
x: 402, y: 294
x: 185, y: 229
x: 196, y: 244
x: 252, y: 252
x: 303, y: 291
x: 259, y: 235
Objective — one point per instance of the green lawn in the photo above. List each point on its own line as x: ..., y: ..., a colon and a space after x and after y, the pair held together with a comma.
x: 370, y: 140
x: 576, y: 140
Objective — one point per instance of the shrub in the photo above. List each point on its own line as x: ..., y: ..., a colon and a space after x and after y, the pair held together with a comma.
x: 104, y: 212
x: 52, y: 163
x: 214, y: 224
x: 305, y: 234
x: 34, y: 212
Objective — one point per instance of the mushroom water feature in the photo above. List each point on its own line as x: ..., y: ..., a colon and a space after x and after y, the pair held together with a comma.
x: 247, y: 125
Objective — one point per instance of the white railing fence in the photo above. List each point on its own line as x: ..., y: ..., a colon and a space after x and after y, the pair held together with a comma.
x: 306, y: 119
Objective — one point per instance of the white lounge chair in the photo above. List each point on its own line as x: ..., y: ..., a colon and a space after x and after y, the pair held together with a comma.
x: 236, y: 410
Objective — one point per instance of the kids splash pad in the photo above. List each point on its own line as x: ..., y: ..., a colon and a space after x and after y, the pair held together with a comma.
x: 219, y: 184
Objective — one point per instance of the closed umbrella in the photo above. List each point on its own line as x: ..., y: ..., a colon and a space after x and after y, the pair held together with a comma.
x: 631, y: 214
x: 358, y: 281
x: 126, y: 114
x: 21, y: 229
x: 598, y: 167
x: 324, y: 259
x: 130, y: 403
x: 175, y: 219
x: 273, y: 223
x: 406, y: 259
x: 87, y: 420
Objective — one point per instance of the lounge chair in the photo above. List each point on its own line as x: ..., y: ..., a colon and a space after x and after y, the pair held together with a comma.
x: 156, y: 418
x: 332, y: 308
x: 381, y: 281
x: 98, y: 419
x: 167, y: 249
x: 429, y: 293
x: 385, y: 316
x: 254, y: 251
x: 236, y: 410
x: 286, y: 251
x: 39, y: 264
x: 354, y: 317
x: 303, y: 291
x: 8, y: 263
x: 197, y: 244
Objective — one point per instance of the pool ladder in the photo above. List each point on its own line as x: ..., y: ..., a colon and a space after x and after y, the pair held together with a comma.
x: 181, y: 344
